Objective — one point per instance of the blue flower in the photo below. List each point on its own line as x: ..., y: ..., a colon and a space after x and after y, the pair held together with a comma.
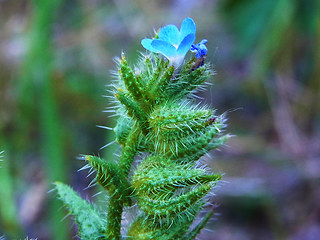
x: 172, y: 43
x: 200, y: 48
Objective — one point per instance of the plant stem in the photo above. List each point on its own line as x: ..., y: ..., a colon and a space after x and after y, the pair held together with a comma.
x: 114, y: 218
x: 115, y: 203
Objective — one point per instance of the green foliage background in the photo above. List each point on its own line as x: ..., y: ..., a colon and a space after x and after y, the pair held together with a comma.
x: 55, y: 58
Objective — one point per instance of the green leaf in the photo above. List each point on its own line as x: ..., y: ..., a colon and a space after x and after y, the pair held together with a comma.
x: 194, y: 232
x: 91, y: 223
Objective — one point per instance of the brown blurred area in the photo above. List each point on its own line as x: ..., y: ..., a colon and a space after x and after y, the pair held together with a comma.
x: 266, y: 57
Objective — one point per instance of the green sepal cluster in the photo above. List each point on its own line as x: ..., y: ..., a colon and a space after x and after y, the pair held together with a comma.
x: 189, y: 80
x: 158, y: 119
x: 164, y: 114
x: 183, y: 130
x: 175, y: 132
x: 91, y: 222
x: 158, y: 178
x: 169, y: 194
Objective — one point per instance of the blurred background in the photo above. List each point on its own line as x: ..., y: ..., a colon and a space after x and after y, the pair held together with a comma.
x: 55, y: 62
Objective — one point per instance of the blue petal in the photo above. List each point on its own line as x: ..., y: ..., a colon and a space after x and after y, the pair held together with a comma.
x: 194, y: 48
x: 186, y: 44
x: 187, y: 27
x: 203, y: 49
x: 146, y: 43
x: 169, y: 33
x: 164, y: 47
x: 203, y: 41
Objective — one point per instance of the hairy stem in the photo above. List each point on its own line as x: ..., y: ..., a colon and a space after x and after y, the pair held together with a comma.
x: 115, y: 202
x: 114, y: 218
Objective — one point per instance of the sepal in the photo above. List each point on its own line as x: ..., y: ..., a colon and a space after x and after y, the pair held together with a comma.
x: 133, y: 108
x: 111, y: 179
x: 132, y: 83
x: 187, y: 82
x: 156, y: 88
x: 145, y: 228
x: 122, y: 129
